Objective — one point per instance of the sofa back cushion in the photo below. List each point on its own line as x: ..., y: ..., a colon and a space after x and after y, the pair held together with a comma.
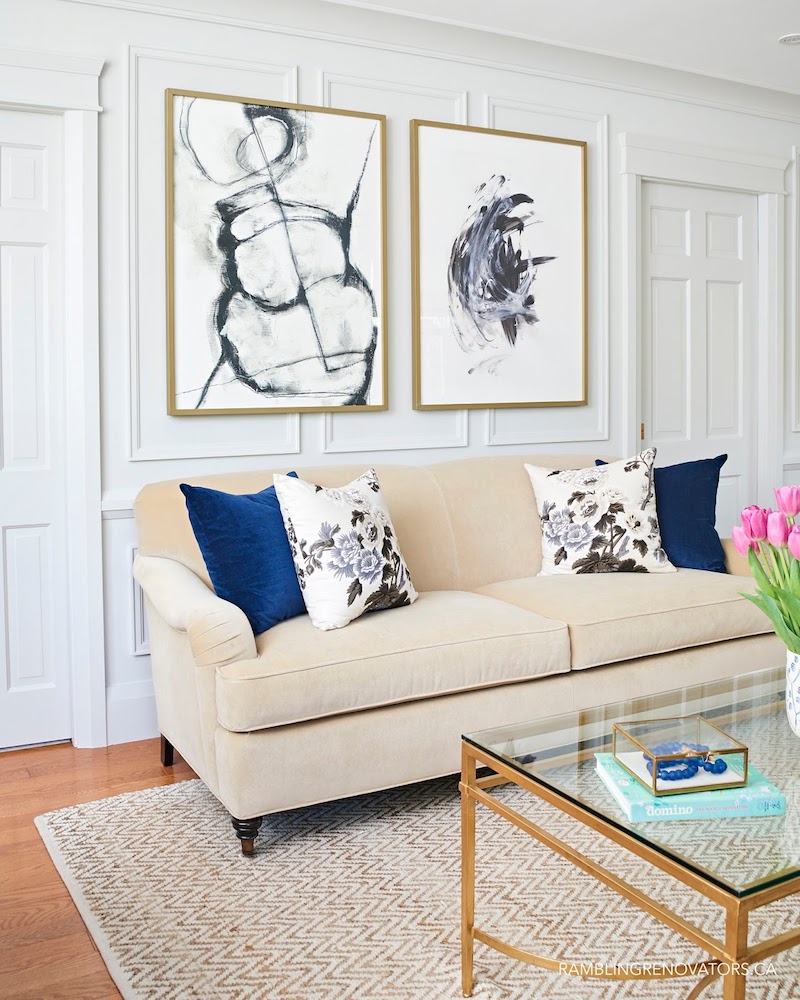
x: 412, y: 494
x: 496, y: 529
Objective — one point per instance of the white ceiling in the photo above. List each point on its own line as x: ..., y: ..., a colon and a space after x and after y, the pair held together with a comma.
x: 732, y: 39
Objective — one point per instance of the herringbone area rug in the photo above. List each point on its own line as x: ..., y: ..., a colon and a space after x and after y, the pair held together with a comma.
x: 359, y: 900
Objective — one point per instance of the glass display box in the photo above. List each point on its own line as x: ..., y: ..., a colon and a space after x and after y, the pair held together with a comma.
x: 678, y: 755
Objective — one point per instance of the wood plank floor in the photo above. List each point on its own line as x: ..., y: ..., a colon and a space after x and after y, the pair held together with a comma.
x: 46, y: 952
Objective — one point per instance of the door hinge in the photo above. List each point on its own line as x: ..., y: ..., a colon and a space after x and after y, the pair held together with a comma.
x: 642, y: 431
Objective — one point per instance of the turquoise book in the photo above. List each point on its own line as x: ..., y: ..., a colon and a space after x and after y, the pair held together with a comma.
x: 758, y: 797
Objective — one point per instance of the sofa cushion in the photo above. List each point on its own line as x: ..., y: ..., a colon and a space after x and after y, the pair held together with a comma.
x: 620, y: 616
x: 447, y: 641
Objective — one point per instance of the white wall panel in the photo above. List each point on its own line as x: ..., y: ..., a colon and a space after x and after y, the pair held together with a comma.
x: 153, y: 434
x: 400, y: 428
x: 557, y: 425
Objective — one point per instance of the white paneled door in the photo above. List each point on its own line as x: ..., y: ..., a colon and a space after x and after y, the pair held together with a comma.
x: 34, y: 642
x: 699, y: 315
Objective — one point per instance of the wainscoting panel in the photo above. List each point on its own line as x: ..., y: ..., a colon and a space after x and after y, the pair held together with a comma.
x: 400, y: 428
x: 154, y: 434
x: 552, y: 425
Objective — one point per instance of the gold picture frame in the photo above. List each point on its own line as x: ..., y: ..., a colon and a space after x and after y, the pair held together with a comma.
x: 422, y: 272
x: 202, y: 250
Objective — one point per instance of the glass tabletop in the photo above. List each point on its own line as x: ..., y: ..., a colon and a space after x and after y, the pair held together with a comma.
x: 740, y: 854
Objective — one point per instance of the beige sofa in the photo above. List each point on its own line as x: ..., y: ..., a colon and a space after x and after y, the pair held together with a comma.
x: 295, y: 716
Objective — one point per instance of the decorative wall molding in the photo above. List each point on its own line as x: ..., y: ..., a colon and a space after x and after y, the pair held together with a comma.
x: 139, y: 451
x: 598, y: 284
x: 252, y: 24
x: 140, y: 639
x: 496, y: 437
x: 327, y: 80
x: 131, y: 712
x: 380, y: 442
x: 690, y: 163
x: 49, y: 80
x: 386, y: 436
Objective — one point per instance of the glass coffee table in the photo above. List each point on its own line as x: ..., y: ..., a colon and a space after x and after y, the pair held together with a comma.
x: 740, y: 863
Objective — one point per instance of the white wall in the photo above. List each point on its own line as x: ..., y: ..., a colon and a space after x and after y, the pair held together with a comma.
x: 318, y: 53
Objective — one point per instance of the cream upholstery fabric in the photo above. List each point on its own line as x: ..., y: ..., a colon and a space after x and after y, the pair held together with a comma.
x: 446, y: 641
x: 492, y: 510
x: 289, y: 766
x: 386, y: 700
x: 459, y: 524
x: 621, y: 616
x: 411, y: 493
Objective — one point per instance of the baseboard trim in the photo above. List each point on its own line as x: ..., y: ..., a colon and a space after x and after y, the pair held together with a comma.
x: 131, y: 712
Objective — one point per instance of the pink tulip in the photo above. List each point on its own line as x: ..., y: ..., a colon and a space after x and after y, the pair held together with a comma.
x: 741, y: 541
x: 777, y: 529
x: 788, y: 498
x: 794, y: 541
x: 754, y: 522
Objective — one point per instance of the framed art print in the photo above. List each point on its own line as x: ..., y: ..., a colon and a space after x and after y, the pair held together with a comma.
x: 499, y: 265
x: 276, y: 256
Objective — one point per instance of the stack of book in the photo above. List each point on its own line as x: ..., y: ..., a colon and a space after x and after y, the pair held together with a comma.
x: 758, y: 797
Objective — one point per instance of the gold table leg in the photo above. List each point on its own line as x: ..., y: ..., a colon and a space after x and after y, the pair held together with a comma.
x: 734, y: 982
x: 468, y: 777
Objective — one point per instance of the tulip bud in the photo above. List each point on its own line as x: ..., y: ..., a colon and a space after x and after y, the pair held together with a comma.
x: 794, y: 541
x: 741, y: 541
x: 754, y: 522
x: 777, y: 529
x: 788, y: 498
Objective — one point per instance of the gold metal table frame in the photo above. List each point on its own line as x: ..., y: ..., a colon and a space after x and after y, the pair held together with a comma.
x: 729, y: 958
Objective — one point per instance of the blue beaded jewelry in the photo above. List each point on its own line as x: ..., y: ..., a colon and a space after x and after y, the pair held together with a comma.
x: 697, y: 756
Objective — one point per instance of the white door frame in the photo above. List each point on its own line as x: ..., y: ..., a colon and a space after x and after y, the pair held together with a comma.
x: 68, y: 86
x: 645, y: 158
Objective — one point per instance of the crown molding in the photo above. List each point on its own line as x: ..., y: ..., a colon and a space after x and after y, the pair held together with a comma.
x: 253, y: 24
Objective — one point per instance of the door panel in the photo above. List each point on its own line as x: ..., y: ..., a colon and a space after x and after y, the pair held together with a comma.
x: 699, y: 283
x: 34, y: 641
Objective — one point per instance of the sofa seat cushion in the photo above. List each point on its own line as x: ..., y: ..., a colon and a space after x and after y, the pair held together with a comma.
x: 447, y: 641
x: 621, y: 616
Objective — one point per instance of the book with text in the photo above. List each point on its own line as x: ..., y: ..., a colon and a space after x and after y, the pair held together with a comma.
x: 758, y: 797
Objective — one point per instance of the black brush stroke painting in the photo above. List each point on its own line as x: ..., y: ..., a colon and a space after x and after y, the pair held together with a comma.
x: 295, y: 319
x: 490, y: 277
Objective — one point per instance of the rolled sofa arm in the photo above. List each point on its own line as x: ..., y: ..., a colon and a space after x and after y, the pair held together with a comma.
x: 734, y: 561
x: 217, y: 630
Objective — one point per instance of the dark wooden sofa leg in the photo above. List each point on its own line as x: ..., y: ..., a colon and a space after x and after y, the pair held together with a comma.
x: 247, y: 831
x: 167, y: 752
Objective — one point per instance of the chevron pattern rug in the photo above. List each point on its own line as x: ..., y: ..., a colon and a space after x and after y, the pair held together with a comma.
x: 359, y: 900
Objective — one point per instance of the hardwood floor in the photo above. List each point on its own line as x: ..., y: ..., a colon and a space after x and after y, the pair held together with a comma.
x: 46, y: 952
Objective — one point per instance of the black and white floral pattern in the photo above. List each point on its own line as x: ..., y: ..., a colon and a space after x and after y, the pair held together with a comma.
x: 344, y: 549
x: 600, y: 520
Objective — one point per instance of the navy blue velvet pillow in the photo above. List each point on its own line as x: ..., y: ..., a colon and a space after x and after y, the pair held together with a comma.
x: 246, y: 551
x: 686, y: 502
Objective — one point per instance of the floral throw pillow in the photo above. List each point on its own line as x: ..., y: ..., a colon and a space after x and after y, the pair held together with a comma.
x: 600, y: 520
x: 344, y: 549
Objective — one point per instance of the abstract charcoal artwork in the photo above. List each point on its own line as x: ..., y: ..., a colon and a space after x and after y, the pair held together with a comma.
x: 499, y: 263
x: 275, y: 257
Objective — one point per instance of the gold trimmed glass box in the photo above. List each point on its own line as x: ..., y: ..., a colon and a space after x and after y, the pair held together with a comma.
x: 676, y: 755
